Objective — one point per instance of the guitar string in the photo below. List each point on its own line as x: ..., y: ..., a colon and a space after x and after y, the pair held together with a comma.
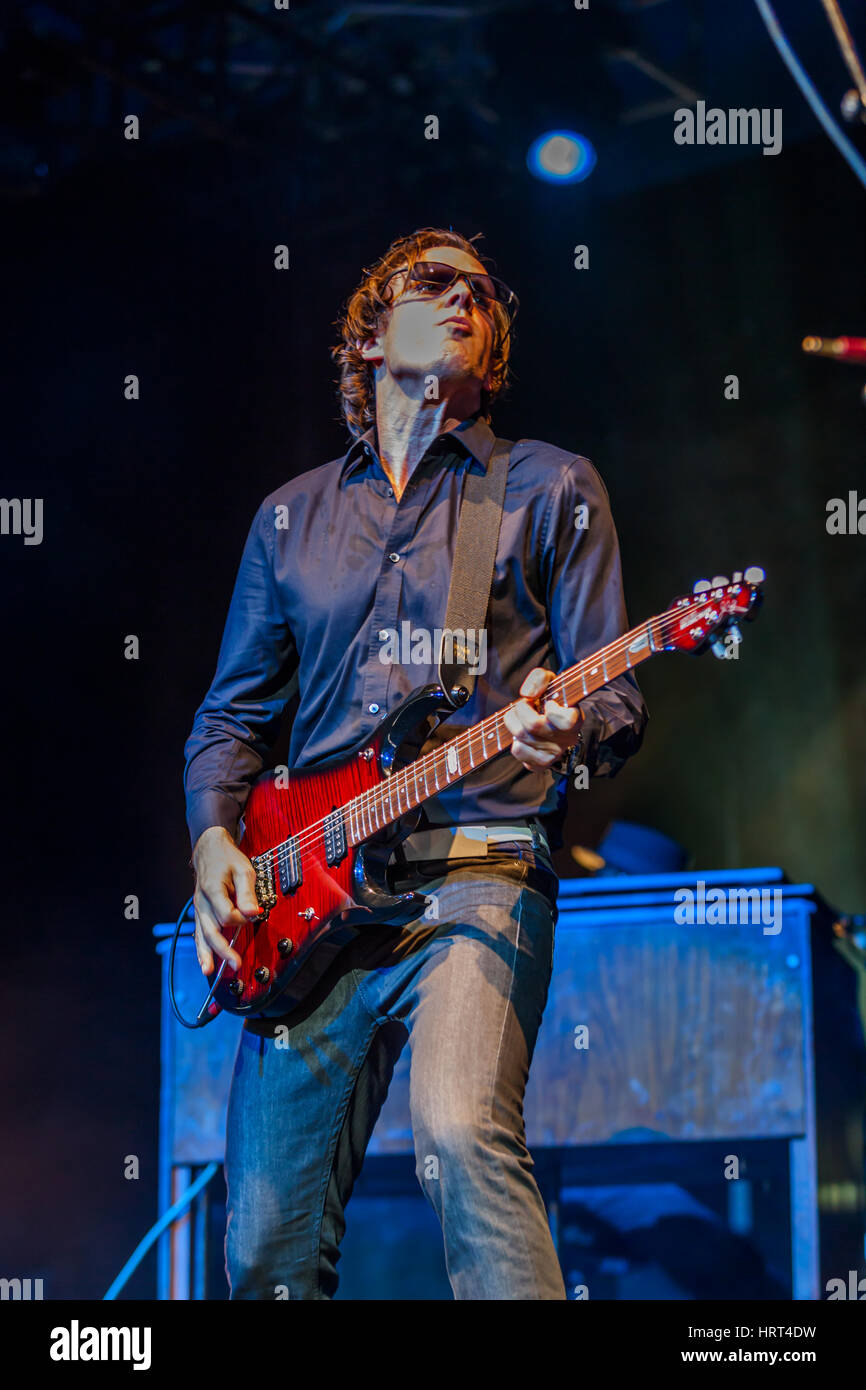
x: 363, y: 802
x: 366, y: 800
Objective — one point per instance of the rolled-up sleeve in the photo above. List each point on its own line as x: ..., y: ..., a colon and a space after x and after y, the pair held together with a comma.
x: 237, y: 723
x: 587, y: 611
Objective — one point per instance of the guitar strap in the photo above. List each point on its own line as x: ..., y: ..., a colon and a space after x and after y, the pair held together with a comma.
x: 478, y: 530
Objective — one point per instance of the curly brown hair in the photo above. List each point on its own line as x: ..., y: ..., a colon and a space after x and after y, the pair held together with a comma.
x: 363, y: 313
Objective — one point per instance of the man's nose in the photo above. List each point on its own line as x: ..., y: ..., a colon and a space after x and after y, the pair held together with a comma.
x: 459, y: 292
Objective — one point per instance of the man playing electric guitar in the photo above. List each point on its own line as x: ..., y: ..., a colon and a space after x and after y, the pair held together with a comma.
x: 343, y: 583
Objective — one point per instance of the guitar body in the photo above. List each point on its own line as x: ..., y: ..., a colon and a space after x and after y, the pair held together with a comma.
x: 317, y: 890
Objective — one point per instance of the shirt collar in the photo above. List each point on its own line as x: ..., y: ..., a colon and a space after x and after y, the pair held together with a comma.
x: 476, y: 437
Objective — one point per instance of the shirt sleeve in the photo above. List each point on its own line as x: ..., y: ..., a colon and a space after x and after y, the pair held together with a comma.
x: 586, y: 611
x: 236, y: 726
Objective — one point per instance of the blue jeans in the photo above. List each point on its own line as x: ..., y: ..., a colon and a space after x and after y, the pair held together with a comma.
x: 466, y: 989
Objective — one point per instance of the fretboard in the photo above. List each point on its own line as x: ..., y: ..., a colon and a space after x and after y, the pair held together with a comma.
x: 450, y: 762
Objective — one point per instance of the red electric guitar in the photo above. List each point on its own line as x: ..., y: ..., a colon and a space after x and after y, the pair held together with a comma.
x: 320, y: 838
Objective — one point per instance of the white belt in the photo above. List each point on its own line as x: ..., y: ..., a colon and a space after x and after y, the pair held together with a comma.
x: 469, y: 841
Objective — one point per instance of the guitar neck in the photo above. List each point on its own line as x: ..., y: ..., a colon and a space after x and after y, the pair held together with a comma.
x: 452, y: 761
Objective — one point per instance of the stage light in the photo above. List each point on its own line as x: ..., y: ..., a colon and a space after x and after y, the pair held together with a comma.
x: 561, y: 156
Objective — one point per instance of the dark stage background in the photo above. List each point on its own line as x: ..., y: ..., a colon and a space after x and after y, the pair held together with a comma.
x: 159, y: 262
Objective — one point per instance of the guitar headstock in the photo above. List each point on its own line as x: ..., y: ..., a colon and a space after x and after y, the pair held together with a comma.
x: 710, y: 615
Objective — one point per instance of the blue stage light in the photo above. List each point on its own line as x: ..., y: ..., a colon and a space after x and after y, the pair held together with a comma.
x: 561, y: 156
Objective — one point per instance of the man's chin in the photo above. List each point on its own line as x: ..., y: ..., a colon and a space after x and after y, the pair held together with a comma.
x: 456, y: 361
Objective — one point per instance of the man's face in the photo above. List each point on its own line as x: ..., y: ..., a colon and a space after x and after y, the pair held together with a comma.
x: 448, y: 336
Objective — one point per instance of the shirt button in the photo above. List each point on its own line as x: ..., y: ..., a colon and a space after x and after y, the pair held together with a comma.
x: 390, y: 492
x: 393, y: 557
x: 374, y: 709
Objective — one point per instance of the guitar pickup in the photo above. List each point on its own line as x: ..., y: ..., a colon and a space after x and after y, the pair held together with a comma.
x: 289, y: 861
x: 335, y: 838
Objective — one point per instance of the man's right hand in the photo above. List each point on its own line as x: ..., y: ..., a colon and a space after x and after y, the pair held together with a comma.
x: 224, y: 896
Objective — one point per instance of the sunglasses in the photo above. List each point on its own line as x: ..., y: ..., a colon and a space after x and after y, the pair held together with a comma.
x: 432, y: 278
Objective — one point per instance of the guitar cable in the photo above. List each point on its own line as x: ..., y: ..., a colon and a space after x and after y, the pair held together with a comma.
x: 205, y: 1176
x: 158, y: 1228
x: 201, y: 1018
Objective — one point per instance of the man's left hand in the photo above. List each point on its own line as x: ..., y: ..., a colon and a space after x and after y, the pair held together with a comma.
x: 541, y: 739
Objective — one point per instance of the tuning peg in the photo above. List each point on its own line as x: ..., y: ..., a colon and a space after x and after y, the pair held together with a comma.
x: 755, y: 575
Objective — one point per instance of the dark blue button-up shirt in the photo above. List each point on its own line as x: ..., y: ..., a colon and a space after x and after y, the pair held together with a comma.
x: 344, y: 587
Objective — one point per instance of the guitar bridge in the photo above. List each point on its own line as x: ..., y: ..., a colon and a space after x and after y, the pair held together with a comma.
x: 265, y: 890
